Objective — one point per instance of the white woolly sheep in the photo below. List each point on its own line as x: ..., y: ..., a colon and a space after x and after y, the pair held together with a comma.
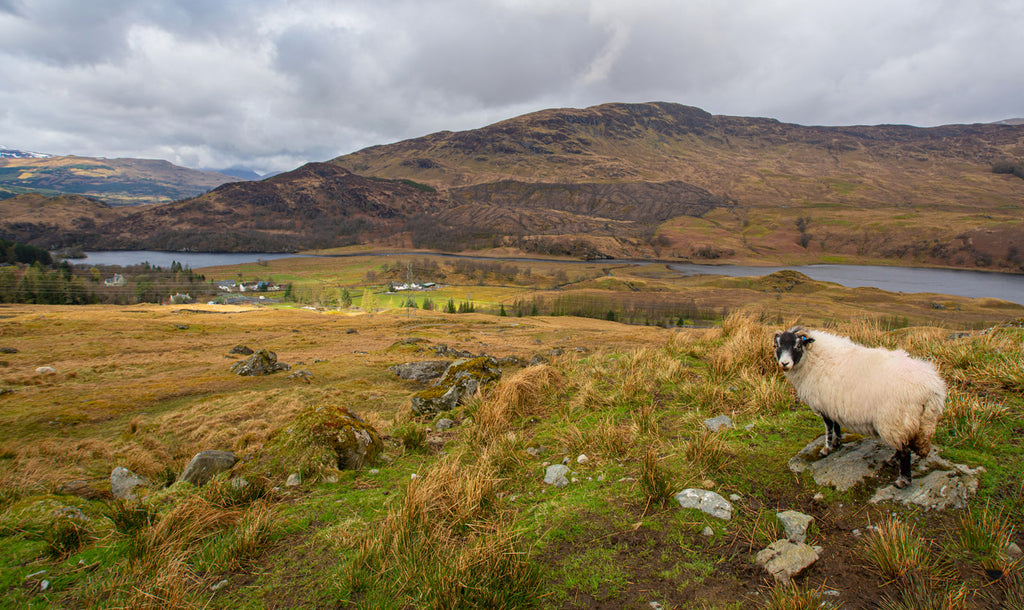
x: 870, y: 391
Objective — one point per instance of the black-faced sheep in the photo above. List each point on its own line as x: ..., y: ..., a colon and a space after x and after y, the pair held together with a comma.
x: 870, y: 391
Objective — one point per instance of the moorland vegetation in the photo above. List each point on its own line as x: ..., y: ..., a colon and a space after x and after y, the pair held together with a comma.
x: 461, y: 517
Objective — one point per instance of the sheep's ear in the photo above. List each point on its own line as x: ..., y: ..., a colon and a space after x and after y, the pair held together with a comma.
x: 778, y: 334
x: 806, y: 340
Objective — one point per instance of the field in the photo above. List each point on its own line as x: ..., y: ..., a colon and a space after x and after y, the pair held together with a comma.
x: 461, y: 517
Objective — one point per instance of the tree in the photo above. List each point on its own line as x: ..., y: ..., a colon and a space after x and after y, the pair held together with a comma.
x: 346, y: 298
x: 369, y: 301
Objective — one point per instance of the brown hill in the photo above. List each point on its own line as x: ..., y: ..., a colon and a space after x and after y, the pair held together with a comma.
x: 53, y: 222
x: 794, y: 193
x: 316, y: 206
x: 115, y: 181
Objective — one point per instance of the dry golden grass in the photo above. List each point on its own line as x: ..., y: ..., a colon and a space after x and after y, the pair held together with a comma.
x: 746, y: 344
x: 519, y: 395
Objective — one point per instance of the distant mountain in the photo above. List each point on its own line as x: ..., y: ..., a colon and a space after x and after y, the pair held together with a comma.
x: 11, y: 153
x: 115, y: 181
x: 1010, y: 122
x: 242, y: 173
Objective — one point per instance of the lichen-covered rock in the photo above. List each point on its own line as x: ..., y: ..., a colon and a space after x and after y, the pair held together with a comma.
x: 795, y: 524
x: 207, y: 464
x: 459, y: 382
x: 243, y: 350
x: 263, y: 362
x: 332, y: 436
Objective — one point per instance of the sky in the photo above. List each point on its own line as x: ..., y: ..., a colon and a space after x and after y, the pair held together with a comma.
x: 270, y: 85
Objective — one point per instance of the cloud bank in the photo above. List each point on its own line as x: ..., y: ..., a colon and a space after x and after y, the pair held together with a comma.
x: 271, y: 85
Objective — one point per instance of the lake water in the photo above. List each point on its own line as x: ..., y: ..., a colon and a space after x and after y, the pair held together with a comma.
x: 1006, y: 286
x: 193, y: 260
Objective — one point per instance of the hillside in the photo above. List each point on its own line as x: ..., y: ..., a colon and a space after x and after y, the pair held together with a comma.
x: 115, y: 181
x: 850, y: 183
x: 54, y: 222
x: 316, y: 206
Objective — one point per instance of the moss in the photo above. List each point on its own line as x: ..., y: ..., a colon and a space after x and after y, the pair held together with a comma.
x: 327, y: 437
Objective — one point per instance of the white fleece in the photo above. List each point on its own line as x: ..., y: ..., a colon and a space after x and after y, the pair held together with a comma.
x: 871, y: 391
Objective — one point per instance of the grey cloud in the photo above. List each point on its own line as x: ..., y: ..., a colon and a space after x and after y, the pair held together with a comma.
x: 273, y: 84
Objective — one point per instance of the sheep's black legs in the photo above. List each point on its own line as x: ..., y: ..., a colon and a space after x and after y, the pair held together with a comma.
x: 833, y: 436
x: 903, y: 456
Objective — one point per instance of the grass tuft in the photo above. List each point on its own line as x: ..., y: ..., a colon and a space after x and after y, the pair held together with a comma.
x: 897, y: 551
x: 655, y: 480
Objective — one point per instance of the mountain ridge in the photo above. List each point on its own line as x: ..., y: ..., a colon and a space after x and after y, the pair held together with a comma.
x: 654, y: 180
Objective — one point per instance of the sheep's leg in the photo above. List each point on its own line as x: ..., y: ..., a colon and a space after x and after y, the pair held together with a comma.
x: 903, y: 455
x: 832, y: 436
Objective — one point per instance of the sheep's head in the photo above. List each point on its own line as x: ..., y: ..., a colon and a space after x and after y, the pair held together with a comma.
x: 790, y: 346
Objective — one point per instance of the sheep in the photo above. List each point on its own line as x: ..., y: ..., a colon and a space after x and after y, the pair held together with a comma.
x: 870, y: 391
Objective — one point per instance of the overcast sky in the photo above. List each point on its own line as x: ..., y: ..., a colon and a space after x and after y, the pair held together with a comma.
x: 273, y: 84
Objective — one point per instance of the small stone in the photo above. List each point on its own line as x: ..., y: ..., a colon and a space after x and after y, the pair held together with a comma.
x: 123, y: 483
x: 718, y: 423
x: 556, y: 475
x: 374, y: 471
x: 239, y: 483
x: 1014, y: 551
x: 45, y: 370
x: 819, y: 497
x: 414, y: 476
x: 293, y: 480
x: 795, y: 524
x: 207, y: 464
x: 565, y: 460
x: 734, y: 497
x: 444, y: 424
x: 582, y: 459
x: 857, y: 533
x: 654, y: 605
x: 575, y: 480
x: 600, y: 478
x: 332, y: 479
x: 44, y: 585
x: 784, y: 559
x: 218, y: 586
x: 705, y: 501
x: 708, y: 532
x: 627, y: 480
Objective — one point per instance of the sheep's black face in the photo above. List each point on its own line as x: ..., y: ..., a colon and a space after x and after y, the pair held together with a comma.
x: 790, y: 346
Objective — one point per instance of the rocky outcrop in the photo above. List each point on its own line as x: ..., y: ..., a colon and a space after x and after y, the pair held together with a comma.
x: 352, y: 441
x: 460, y: 381
x: 938, y: 484
x: 207, y: 464
x: 423, y: 371
x: 263, y: 362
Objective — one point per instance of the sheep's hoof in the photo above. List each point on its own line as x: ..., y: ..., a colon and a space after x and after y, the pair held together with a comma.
x: 902, y: 482
x: 825, y: 451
